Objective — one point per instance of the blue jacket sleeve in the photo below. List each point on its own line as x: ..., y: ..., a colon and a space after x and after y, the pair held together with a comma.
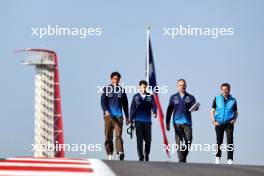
x: 193, y: 100
x: 104, y: 101
x: 169, y: 112
x: 154, y: 106
x: 132, y: 110
x: 125, y: 104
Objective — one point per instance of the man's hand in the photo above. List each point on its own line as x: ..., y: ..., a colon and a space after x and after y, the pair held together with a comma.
x: 168, y: 127
x: 155, y: 115
x: 127, y: 121
x: 107, y: 113
x: 130, y: 123
x: 216, y: 123
x: 233, y: 121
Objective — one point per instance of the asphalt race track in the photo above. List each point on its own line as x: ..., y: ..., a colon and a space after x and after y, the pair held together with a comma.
x: 33, y: 166
x: 136, y: 168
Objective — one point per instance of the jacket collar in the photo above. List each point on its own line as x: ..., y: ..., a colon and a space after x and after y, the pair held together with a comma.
x: 178, y: 94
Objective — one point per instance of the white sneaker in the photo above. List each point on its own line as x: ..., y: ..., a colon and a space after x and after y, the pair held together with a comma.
x: 229, y: 161
x: 110, y: 157
x: 217, y: 160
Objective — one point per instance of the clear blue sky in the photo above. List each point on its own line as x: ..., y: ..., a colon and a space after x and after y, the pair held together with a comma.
x: 85, y: 63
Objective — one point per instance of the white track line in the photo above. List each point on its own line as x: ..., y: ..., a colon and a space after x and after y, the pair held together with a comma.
x: 49, y: 160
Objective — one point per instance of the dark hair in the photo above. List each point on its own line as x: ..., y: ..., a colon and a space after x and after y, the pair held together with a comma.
x: 115, y: 74
x: 182, y: 80
x: 225, y: 85
x: 143, y: 82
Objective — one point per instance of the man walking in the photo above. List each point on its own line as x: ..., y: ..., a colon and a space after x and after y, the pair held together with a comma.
x: 180, y: 105
x: 143, y: 104
x: 113, y: 100
x: 223, y: 116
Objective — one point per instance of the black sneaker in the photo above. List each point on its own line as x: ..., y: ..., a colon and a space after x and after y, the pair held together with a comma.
x: 182, y: 160
x: 146, y: 158
x: 141, y: 158
x: 121, y: 156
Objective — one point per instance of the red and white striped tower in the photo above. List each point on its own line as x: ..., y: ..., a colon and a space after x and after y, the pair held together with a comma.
x: 48, y: 115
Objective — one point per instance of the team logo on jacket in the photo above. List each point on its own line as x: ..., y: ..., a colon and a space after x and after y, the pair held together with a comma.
x: 188, y: 99
x: 176, y: 100
x: 119, y: 95
x: 148, y: 98
x: 110, y: 95
x: 137, y: 100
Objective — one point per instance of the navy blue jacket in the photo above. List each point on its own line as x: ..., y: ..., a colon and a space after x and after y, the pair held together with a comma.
x: 140, y: 110
x: 180, y: 108
x: 113, y: 100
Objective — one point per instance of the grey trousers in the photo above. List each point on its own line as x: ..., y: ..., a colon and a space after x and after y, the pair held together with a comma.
x: 183, y: 137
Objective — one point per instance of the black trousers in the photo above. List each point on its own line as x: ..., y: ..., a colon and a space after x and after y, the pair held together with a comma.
x: 220, y: 130
x: 183, y: 137
x: 143, y: 133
